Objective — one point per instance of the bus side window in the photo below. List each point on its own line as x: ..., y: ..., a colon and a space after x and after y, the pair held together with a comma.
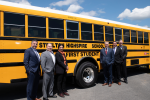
x: 72, y: 29
x: 109, y: 33
x: 86, y: 31
x: 56, y: 28
x: 140, y: 37
x: 14, y: 24
x: 126, y: 35
x: 118, y: 34
x: 133, y: 36
x: 146, y: 37
x: 36, y: 26
x: 98, y: 32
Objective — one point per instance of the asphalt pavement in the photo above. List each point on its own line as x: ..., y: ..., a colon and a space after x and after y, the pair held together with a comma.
x: 137, y: 89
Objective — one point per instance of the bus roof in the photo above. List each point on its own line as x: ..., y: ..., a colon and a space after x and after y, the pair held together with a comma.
x: 6, y: 3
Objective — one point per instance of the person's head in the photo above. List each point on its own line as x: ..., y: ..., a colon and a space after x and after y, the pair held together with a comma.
x: 34, y: 44
x: 120, y: 42
x: 60, y: 47
x: 114, y: 44
x: 49, y: 47
x: 106, y: 44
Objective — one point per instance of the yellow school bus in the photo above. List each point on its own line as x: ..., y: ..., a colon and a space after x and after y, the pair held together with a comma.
x: 83, y: 38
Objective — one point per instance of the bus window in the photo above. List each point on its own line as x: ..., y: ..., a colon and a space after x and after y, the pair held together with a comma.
x: 14, y: 24
x: 140, y: 37
x: 133, y: 36
x: 36, y: 26
x: 56, y: 28
x: 109, y: 33
x: 118, y: 34
x: 98, y: 32
x: 146, y: 37
x: 86, y: 31
x: 126, y: 35
x: 72, y: 29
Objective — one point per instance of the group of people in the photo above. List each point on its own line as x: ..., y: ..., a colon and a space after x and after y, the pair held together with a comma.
x: 112, y: 60
x: 114, y: 63
x: 50, y: 64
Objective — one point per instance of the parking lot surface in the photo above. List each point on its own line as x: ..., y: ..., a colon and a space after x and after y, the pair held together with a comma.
x: 138, y: 88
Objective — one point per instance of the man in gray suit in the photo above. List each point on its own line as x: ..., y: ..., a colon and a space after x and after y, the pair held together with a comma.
x: 48, y: 63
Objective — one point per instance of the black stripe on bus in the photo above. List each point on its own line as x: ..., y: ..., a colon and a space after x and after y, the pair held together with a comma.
x: 137, y: 50
x: 98, y: 59
x: 25, y: 79
x: 137, y: 57
x: 42, y: 50
x: 22, y: 64
x: 55, y: 50
x: 137, y: 65
x: 61, y: 40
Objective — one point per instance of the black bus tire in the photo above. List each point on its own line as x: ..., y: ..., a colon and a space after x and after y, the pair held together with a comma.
x: 86, y: 75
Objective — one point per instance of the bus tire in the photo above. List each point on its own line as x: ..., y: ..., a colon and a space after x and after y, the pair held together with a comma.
x: 86, y: 75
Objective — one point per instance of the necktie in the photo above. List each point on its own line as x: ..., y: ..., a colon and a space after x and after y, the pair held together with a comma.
x: 106, y: 51
x: 37, y: 54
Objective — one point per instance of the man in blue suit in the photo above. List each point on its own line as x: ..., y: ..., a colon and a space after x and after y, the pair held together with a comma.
x: 107, y: 59
x: 32, y: 66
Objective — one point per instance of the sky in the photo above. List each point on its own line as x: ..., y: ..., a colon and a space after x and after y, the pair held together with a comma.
x: 135, y: 12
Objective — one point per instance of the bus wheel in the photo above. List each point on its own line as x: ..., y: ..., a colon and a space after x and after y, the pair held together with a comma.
x: 86, y: 75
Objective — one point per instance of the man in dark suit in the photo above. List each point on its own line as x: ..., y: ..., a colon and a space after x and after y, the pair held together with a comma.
x: 48, y: 63
x: 123, y: 64
x: 107, y: 59
x: 117, y: 62
x: 32, y: 66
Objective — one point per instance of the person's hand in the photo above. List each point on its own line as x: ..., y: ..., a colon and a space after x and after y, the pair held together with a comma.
x: 29, y: 72
x: 39, y: 73
x: 67, y: 68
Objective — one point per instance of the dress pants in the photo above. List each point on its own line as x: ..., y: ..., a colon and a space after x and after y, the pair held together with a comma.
x: 48, y: 84
x: 32, y: 85
x: 124, y: 69
x: 61, y: 83
x: 116, y: 72
x: 107, y: 69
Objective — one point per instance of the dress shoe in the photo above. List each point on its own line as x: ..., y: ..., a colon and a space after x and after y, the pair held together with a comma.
x: 109, y: 85
x: 65, y: 93
x: 105, y: 84
x: 61, y: 95
x: 45, y: 99
x: 119, y: 83
x: 54, y: 96
x: 36, y: 99
x: 112, y: 82
x: 126, y: 81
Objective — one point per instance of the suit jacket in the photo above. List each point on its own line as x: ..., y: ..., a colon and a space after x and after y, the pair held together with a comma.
x: 47, y: 63
x: 60, y: 66
x: 107, y: 59
x: 31, y: 62
x: 124, y: 52
x: 118, y: 55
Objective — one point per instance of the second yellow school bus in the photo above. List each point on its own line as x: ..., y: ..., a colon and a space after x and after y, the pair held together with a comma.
x: 83, y: 38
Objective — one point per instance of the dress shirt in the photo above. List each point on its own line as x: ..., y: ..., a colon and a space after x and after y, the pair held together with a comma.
x: 36, y: 53
x: 52, y: 55
x: 121, y: 47
x: 114, y: 49
x: 107, y: 49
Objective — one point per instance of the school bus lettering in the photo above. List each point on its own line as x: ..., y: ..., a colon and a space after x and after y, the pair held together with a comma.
x: 77, y: 45
x: 76, y: 54
x: 97, y: 46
